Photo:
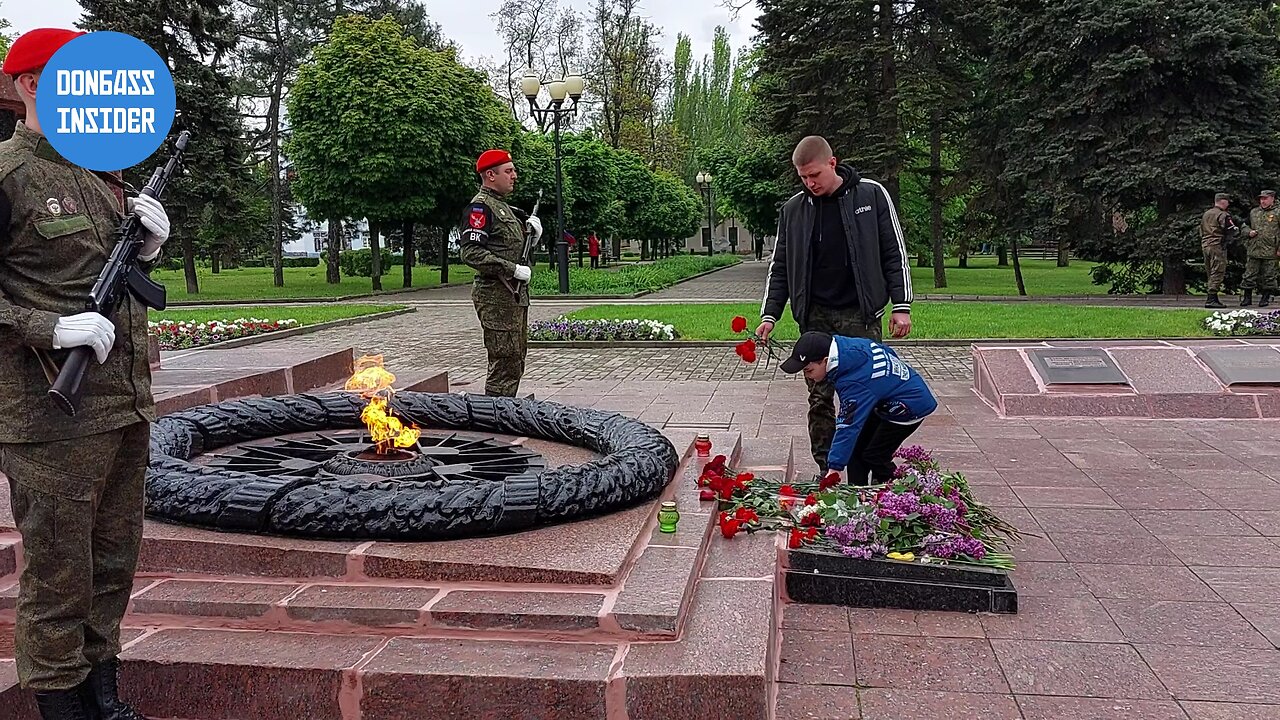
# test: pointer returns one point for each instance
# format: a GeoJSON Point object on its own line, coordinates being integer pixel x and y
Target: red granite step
{"type": "Point", "coordinates": [197, 377]}
{"type": "Point", "coordinates": [720, 667]}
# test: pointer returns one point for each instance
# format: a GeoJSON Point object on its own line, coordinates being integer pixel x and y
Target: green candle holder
{"type": "Point", "coordinates": [668, 516]}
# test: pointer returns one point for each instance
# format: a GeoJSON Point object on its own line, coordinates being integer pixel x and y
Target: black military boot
{"type": "Point", "coordinates": [1247, 299]}
{"type": "Point", "coordinates": [61, 705]}
{"type": "Point", "coordinates": [1213, 302]}
{"type": "Point", "coordinates": [102, 694]}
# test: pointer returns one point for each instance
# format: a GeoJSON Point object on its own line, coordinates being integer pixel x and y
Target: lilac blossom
{"type": "Point", "coordinates": [898, 506]}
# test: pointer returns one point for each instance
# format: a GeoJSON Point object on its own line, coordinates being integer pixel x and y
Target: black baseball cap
{"type": "Point", "coordinates": [811, 346]}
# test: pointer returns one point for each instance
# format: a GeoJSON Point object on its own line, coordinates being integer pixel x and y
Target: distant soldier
{"type": "Point", "coordinates": [1263, 246]}
{"type": "Point", "coordinates": [493, 236]}
{"type": "Point", "coordinates": [1215, 226]}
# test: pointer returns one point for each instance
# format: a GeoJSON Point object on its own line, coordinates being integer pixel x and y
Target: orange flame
{"type": "Point", "coordinates": [373, 381]}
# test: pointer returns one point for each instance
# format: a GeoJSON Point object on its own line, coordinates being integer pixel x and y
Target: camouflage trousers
{"type": "Point", "coordinates": [1259, 274]}
{"type": "Point", "coordinates": [78, 505]}
{"type": "Point", "coordinates": [507, 350]}
{"type": "Point", "coordinates": [1215, 265]}
{"type": "Point", "coordinates": [822, 404]}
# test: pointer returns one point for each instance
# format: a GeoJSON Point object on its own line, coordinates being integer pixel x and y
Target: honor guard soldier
{"type": "Point", "coordinates": [1263, 244]}
{"type": "Point", "coordinates": [76, 484]}
{"type": "Point", "coordinates": [493, 242]}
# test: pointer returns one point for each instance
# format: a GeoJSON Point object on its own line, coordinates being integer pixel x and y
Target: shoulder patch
{"type": "Point", "coordinates": [477, 219]}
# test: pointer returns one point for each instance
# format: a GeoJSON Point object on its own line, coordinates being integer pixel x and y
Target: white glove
{"type": "Point", "coordinates": [155, 220]}
{"type": "Point", "coordinates": [87, 328]}
{"type": "Point", "coordinates": [534, 226]}
{"type": "Point", "coordinates": [523, 273]}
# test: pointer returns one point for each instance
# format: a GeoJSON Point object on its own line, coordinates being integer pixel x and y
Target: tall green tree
{"type": "Point", "coordinates": [358, 112]}
{"type": "Point", "coordinates": [195, 38]}
{"type": "Point", "coordinates": [1129, 116]}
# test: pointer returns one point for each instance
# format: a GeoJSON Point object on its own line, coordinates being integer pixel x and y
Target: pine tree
{"type": "Point", "coordinates": [195, 38]}
{"type": "Point", "coordinates": [1115, 121]}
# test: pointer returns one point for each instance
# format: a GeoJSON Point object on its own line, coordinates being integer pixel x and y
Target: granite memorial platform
{"type": "Point", "coordinates": [1210, 378]}
{"type": "Point", "coordinates": [606, 617]}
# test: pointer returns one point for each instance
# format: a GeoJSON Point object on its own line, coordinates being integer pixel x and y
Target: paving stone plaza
{"type": "Point", "coordinates": [1148, 581]}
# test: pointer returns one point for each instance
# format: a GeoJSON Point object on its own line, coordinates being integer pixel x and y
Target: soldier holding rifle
{"type": "Point", "coordinates": [496, 240]}
{"type": "Point", "coordinates": [76, 483]}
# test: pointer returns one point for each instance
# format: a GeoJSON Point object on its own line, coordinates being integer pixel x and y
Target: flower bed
{"type": "Point", "coordinates": [564, 329]}
{"type": "Point", "coordinates": [1243, 322]}
{"type": "Point", "coordinates": [925, 516]}
{"type": "Point", "coordinates": [177, 335]}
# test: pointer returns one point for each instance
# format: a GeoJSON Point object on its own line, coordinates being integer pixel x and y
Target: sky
{"type": "Point", "coordinates": [471, 24]}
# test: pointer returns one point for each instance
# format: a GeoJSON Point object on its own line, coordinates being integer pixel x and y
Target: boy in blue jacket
{"type": "Point", "coordinates": [882, 400]}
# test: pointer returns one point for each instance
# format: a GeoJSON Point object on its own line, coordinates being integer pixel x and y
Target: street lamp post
{"type": "Point", "coordinates": [570, 86]}
{"type": "Point", "coordinates": [704, 181]}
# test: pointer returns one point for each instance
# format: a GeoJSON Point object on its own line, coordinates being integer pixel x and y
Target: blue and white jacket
{"type": "Point", "coordinates": [870, 377]}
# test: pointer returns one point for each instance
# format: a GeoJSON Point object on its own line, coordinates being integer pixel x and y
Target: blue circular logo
{"type": "Point", "coordinates": [106, 101]}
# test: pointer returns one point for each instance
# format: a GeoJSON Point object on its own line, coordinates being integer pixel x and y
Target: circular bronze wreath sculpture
{"type": "Point", "coordinates": [637, 463]}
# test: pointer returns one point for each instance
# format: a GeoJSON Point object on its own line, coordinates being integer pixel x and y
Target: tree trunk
{"type": "Point", "coordinates": [277, 201]}
{"type": "Point", "coordinates": [1173, 277]}
{"type": "Point", "coordinates": [444, 254]}
{"type": "Point", "coordinates": [935, 200]}
{"type": "Point", "coordinates": [1002, 255]}
{"type": "Point", "coordinates": [215, 260]}
{"type": "Point", "coordinates": [1064, 253]}
{"type": "Point", "coordinates": [189, 264]}
{"type": "Point", "coordinates": [922, 259]}
{"type": "Point", "coordinates": [644, 249]}
{"type": "Point", "coordinates": [333, 266]}
{"type": "Point", "coordinates": [1017, 268]}
{"type": "Point", "coordinates": [889, 100]}
{"type": "Point", "coordinates": [375, 256]}
{"type": "Point", "coordinates": [408, 253]}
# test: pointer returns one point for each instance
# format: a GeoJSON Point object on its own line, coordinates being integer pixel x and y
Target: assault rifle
{"type": "Point", "coordinates": [527, 255]}
{"type": "Point", "coordinates": [121, 273]}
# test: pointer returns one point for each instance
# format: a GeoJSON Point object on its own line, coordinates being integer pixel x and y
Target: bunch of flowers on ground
{"type": "Point", "coordinates": [563, 328]}
{"type": "Point", "coordinates": [179, 334]}
{"type": "Point", "coordinates": [747, 349]}
{"type": "Point", "coordinates": [1243, 322]}
{"type": "Point", "coordinates": [925, 515]}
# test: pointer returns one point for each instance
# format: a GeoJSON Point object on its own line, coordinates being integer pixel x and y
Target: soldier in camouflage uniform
{"type": "Point", "coordinates": [1263, 247]}
{"type": "Point", "coordinates": [1215, 226]}
{"type": "Point", "coordinates": [76, 484]}
{"type": "Point", "coordinates": [493, 238]}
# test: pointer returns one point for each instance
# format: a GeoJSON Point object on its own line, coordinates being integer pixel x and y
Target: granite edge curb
{"type": "Point", "coordinates": [294, 332]}
{"type": "Point", "coordinates": [941, 342]}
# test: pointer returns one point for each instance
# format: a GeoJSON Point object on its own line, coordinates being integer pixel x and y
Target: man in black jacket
{"type": "Point", "coordinates": [840, 259]}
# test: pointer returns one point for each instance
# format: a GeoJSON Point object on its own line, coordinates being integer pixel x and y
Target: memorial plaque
{"type": "Point", "coordinates": [1076, 366]}
{"type": "Point", "coordinates": [1255, 365]}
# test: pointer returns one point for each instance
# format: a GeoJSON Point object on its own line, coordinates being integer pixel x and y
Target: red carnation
{"type": "Point", "coordinates": [728, 526]}
{"type": "Point", "coordinates": [739, 324]}
{"type": "Point", "coordinates": [831, 480]}
{"type": "Point", "coordinates": [707, 494]}
{"type": "Point", "coordinates": [796, 539]}
{"type": "Point", "coordinates": [746, 515]}
{"type": "Point", "coordinates": [810, 534]}
{"type": "Point", "coordinates": [746, 350]}
{"type": "Point", "coordinates": [745, 477]}
{"type": "Point", "coordinates": [811, 520]}
{"type": "Point", "coordinates": [812, 499]}
{"type": "Point", "coordinates": [787, 491]}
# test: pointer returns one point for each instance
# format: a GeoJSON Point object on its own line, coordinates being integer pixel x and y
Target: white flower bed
{"type": "Point", "coordinates": [176, 335]}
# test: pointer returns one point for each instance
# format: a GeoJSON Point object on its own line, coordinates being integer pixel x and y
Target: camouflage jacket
{"type": "Point", "coordinates": [1216, 227]}
{"type": "Point", "coordinates": [1266, 244]}
{"type": "Point", "coordinates": [492, 242]}
{"type": "Point", "coordinates": [58, 226]}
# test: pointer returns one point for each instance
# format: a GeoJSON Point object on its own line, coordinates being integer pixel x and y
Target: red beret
{"type": "Point", "coordinates": [32, 51]}
{"type": "Point", "coordinates": [491, 159]}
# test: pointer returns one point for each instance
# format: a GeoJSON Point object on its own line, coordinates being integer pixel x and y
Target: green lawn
{"type": "Point", "coordinates": [304, 314]}
{"type": "Point", "coordinates": [937, 320]}
{"type": "Point", "coordinates": [255, 283]}
{"type": "Point", "coordinates": [983, 277]}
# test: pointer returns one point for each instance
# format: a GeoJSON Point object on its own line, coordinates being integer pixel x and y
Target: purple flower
{"type": "Point", "coordinates": [898, 506]}
{"type": "Point", "coordinates": [914, 454]}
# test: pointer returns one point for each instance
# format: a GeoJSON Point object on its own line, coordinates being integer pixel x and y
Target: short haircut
{"type": "Point", "coordinates": [811, 149]}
